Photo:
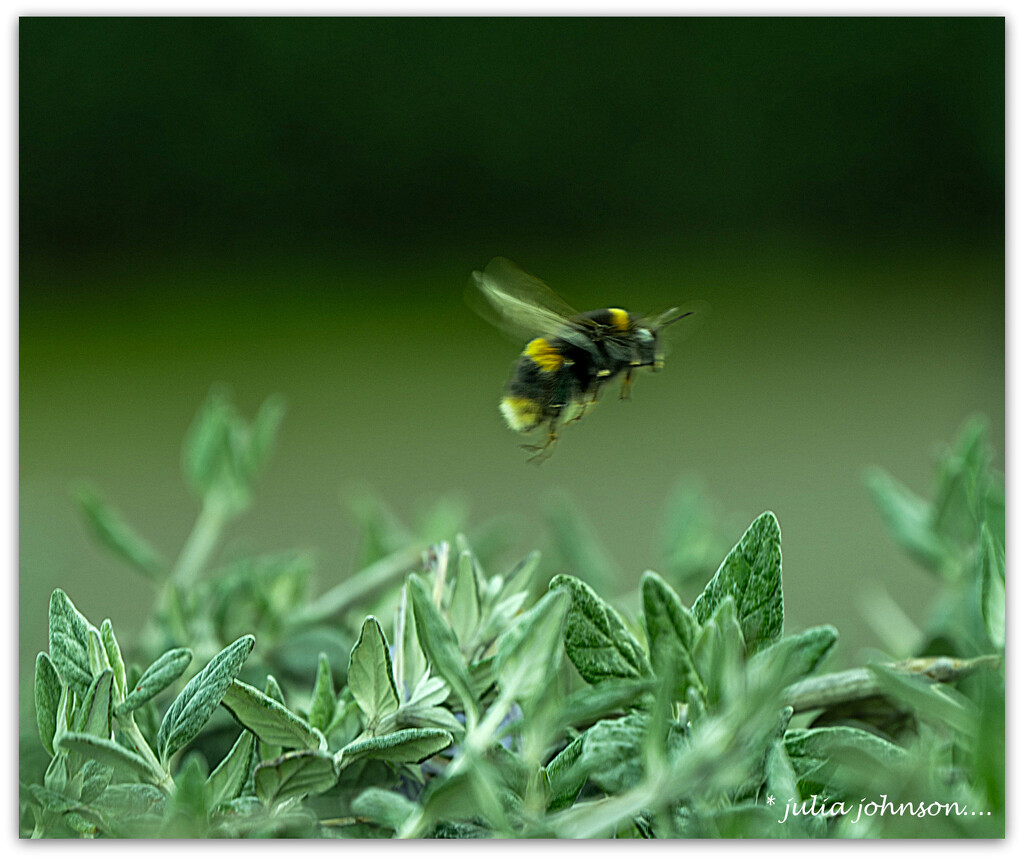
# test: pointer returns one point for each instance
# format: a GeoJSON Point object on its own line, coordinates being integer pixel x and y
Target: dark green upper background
{"type": "Point", "coordinates": [239, 133]}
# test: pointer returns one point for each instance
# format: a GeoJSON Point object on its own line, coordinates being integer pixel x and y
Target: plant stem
{"type": "Point", "coordinates": [362, 586]}
{"type": "Point", "coordinates": [839, 687]}
{"type": "Point", "coordinates": [201, 540]}
{"type": "Point", "coordinates": [131, 731]}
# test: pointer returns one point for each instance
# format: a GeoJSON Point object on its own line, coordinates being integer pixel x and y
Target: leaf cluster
{"type": "Point", "coordinates": [429, 696]}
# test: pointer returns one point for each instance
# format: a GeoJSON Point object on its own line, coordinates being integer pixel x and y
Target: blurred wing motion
{"type": "Point", "coordinates": [681, 322]}
{"type": "Point", "coordinates": [516, 302]}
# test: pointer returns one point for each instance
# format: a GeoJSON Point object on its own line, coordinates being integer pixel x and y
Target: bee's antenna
{"type": "Point", "coordinates": [674, 319]}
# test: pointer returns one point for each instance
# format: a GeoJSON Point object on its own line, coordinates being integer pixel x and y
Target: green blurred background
{"type": "Point", "coordinates": [294, 206]}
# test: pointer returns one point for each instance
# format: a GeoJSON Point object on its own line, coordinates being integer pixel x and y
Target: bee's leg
{"type": "Point", "coordinates": [542, 452]}
{"type": "Point", "coordinates": [627, 381]}
{"type": "Point", "coordinates": [586, 403]}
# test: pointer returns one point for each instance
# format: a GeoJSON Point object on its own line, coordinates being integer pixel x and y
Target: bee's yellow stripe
{"type": "Point", "coordinates": [543, 354]}
{"type": "Point", "coordinates": [620, 319]}
{"type": "Point", "coordinates": [521, 413]}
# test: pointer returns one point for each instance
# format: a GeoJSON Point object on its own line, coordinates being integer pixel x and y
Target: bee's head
{"type": "Point", "coordinates": [647, 343]}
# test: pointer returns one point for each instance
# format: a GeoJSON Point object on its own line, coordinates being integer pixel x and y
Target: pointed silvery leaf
{"type": "Point", "coordinates": [752, 575]}
{"type": "Point", "coordinates": [295, 775]}
{"type": "Point", "coordinates": [227, 779]}
{"type": "Point", "coordinates": [165, 671]}
{"type": "Point", "coordinates": [114, 658]}
{"type": "Point", "coordinates": [370, 676]}
{"type": "Point", "coordinates": [269, 720]}
{"type": "Point", "coordinates": [69, 642]}
{"type": "Point", "coordinates": [321, 708]}
{"type": "Point", "coordinates": [47, 699]}
{"type": "Point", "coordinates": [197, 702]}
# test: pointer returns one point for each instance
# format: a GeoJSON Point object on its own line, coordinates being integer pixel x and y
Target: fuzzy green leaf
{"type": "Point", "coordinates": [821, 758]}
{"type": "Point", "coordinates": [385, 807]}
{"type": "Point", "coordinates": [94, 717]}
{"type": "Point", "coordinates": [802, 652]}
{"type": "Point", "coordinates": [411, 664]}
{"type": "Point", "coordinates": [671, 633]}
{"type": "Point", "coordinates": [529, 654]}
{"type": "Point", "coordinates": [321, 709]}
{"type": "Point", "coordinates": [370, 675]}
{"type": "Point", "coordinates": [752, 575]}
{"type": "Point", "coordinates": [563, 778]}
{"type": "Point", "coordinates": [611, 756]}
{"type": "Point", "coordinates": [269, 720]}
{"type": "Point", "coordinates": [95, 778]}
{"type": "Point", "coordinates": [227, 779]}
{"type": "Point", "coordinates": [596, 638]}
{"type": "Point", "coordinates": [164, 671]}
{"type": "Point", "coordinates": [108, 752]}
{"type": "Point", "coordinates": [440, 645]}
{"type": "Point", "coordinates": [407, 745]}
{"type": "Point", "coordinates": [932, 702]}
{"type": "Point", "coordinates": [111, 530]}
{"type": "Point", "coordinates": [295, 774]}
{"type": "Point", "coordinates": [113, 652]}
{"type": "Point", "coordinates": [608, 698]}
{"type": "Point", "coordinates": [69, 642]}
{"type": "Point", "coordinates": [197, 702]}
{"type": "Point", "coordinates": [46, 690]}
{"type": "Point", "coordinates": [465, 606]}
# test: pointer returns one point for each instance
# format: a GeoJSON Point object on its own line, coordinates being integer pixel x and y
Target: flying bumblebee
{"type": "Point", "coordinates": [570, 356]}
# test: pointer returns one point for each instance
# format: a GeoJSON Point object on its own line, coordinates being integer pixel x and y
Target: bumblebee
{"type": "Point", "coordinates": [570, 356]}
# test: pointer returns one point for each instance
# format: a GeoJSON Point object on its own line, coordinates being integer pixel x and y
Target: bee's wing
{"type": "Point", "coordinates": [516, 302]}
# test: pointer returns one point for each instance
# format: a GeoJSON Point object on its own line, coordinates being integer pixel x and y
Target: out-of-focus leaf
{"type": "Point", "coordinates": [718, 654]}
{"type": "Point", "coordinates": [595, 701]}
{"type": "Point", "coordinates": [194, 705]}
{"type": "Point", "coordinates": [802, 652]}
{"type": "Point", "coordinates": [993, 587]}
{"type": "Point", "coordinates": [752, 575]}
{"type": "Point", "coordinates": [385, 807]}
{"type": "Point", "coordinates": [931, 702]}
{"type": "Point", "coordinates": [835, 761]}
{"type": "Point", "coordinates": [321, 709]}
{"type": "Point", "coordinates": [529, 654]}
{"type": "Point", "coordinates": [111, 530]}
{"type": "Point", "coordinates": [611, 756]}
{"type": "Point", "coordinates": [578, 543]}
{"type": "Point", "coordinates": [959, 503]}
{"type": "Point", "coordinates": [689, 535]}
{"type": "Point", "coordinates": [908, 518]}
{"type": "Point", "coordinates": [671, 633]}
{"type": "Point", "coordinates": [596, 639]}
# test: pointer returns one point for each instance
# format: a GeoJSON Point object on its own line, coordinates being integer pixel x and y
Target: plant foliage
{"type": "Point", "coordinates": [485, 704]}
